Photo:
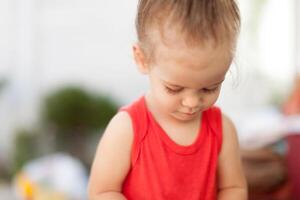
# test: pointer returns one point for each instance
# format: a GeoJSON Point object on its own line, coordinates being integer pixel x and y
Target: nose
{"type": "Point", "coordinates": [191, 101]}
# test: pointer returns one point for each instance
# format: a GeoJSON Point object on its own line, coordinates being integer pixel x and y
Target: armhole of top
{"type": "Point", "coordinates": [218, 126]}
{"type": "Point", "coordinates": [135, 143]}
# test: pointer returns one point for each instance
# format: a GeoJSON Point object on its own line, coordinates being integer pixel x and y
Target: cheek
{"type": "Point", "coordinates": [211, 99]}
{"type": "Point", "coordinates": [167, 101]}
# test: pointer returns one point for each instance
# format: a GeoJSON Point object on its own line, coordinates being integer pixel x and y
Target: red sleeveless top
{"type": "Point", "coordinates": [164, 170]}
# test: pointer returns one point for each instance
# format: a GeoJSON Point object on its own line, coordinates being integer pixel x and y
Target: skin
{"type": "Point", "coordinates": [184, 81]}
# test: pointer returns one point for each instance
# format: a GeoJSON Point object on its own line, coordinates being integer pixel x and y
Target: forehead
{"type": "Point", "coordinates": [172, 34]}
{"type": "Point", "coordinates": [193, 67]}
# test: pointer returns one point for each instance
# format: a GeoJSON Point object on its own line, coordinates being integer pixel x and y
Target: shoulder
{"type": "Point", "coordinates": [121, 118]}
{"type": "Point", "coordinates": [118, 133]}
{"type": "Point", "coordinates": [230, 144]}
{"type": "Point", "coordinates": [120, 128]}
{"type": "Point", "coordinates": [229, 134]}
{"type": "Point", "coordinates": [112, 159]}
{"type": "Point", "coordinates": [117, 139]}
{"type": "Point", "coordinates": [227, 126]}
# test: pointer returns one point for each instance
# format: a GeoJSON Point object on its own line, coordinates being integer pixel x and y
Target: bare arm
{"type": "Point", "coordinates": [232, 182]}
{"type": "Point", "coordinates": [112, 160]}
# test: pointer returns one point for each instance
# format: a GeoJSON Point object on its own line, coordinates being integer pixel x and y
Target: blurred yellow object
{"type": "Point", "coordinates": [31, 191]}
{"type": "Point", "coordinates": [25, 186]}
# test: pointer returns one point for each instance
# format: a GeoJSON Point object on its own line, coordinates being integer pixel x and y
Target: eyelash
{"type": "Point", "coordinates": [209, 91]}
{"type": "Point", "coordinates": [172, 91]}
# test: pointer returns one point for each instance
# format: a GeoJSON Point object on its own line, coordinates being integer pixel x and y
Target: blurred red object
{"type": "Point", "coordinates": [292, 105]}
{"type": "Point", "coordinates": [293, 164]}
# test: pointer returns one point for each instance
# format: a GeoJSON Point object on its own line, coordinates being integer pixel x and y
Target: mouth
{"type": "Point", "coordinates": [189, 114]}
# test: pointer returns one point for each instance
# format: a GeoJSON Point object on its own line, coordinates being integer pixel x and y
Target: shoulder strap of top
{"type": "Point", "coordinates": [138, 114]}
{"type": "Point", "coordinates": [214, 116]}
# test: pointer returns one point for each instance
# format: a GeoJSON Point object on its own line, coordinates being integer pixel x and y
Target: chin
{"type": "Point", "coordinates": [185, 118]}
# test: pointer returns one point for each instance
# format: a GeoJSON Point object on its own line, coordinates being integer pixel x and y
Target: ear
{"type": "Point", "coordinates": [140, 59]}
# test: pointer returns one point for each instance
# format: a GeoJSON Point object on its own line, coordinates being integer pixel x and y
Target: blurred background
{"type": "Point", "coordinates": [66, 67]}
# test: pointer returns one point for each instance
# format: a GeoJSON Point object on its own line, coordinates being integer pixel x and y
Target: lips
{"type": "Point", "coordinates": [189, 114]}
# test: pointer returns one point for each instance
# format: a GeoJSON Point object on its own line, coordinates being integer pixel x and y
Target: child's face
{"type": "Point", "coordinates": [184, 81]}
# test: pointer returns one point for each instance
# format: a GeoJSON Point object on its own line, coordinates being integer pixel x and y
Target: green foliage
{"type": "Point", "coordinates": [25, 148]}
{"type": "Point", "coordinates": [73, 110]}
{"type": "Point", "coordinates": [70, 117]}
{"type": "Point", "coordinates": [74, 115]}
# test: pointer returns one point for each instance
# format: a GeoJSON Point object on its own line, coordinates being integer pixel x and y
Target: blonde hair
{"type": "Point", "coordinates": [197, 20]}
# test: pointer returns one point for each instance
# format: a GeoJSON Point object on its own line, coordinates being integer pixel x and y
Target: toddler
{"type": "Point", "coordinates": [172, 143]}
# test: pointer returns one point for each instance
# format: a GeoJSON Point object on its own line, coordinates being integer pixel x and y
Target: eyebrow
{"type": "Point", "coordinates": [174, 85]}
